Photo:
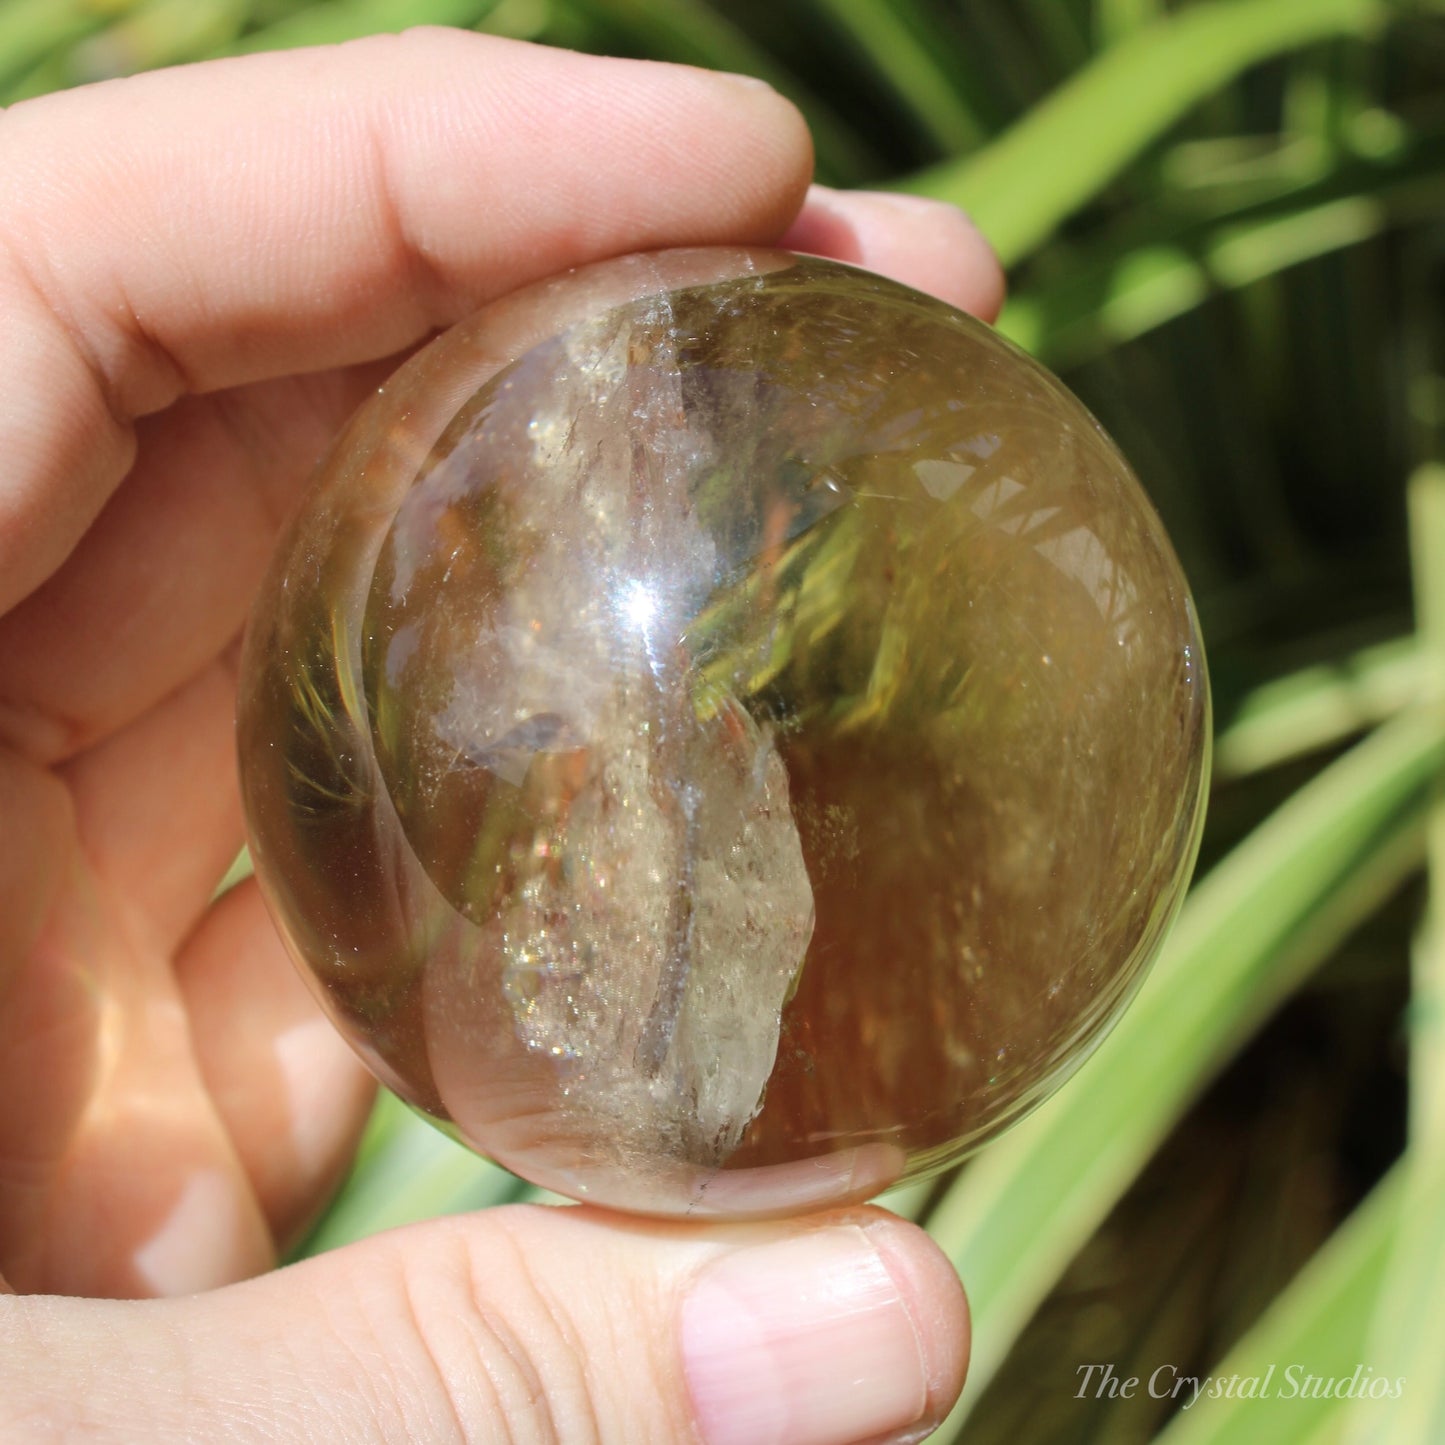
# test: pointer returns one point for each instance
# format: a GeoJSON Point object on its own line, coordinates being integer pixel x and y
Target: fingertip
{"type": "Point", "coordinates": [782, 186]}
{"type": "Point", "coordinates": [933, 1294]}
{"type": "Point", "coordinates": [840, 1328]}
{"type": "Point", "coordinates": [769, 151]}
{"type": "Point", "coordinates": [921, 242]}
{"type": "Point", "coordinates": [674, 155]}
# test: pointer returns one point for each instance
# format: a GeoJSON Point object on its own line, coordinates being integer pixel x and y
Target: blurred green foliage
{"type": "Point", "coordinates": [1223, 220]}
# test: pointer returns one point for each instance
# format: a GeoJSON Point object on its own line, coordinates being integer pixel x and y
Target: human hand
{"type": "Point", "coordinates": [202, 272]}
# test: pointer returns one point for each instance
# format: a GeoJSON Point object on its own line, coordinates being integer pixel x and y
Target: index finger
{"type": "Point", "coordinates": [209, 226]}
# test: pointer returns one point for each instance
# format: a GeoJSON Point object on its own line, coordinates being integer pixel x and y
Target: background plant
{"type": "Point", "coordinates": [1223, 224]}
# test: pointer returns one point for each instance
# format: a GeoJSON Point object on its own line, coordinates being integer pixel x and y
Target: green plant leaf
{"type": "Point", "coordinates": [1069, 147]}
{"type": "Point", "coordinates": [895, 41]}
{"type": "Point", "coordinates": [1127, 285]}
{"type": "Point", "coordinates": [1319, 707]}
{"type": "Point", "coordinates": [1409, 1324]}
{"type": "Point", "coordinates": [1406, 1337]}
{"type": "Point", "coordinates": [1115, 20]}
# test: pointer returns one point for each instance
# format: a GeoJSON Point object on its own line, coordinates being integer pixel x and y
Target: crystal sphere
{"type": "Point", "coordinates": [724, 734]}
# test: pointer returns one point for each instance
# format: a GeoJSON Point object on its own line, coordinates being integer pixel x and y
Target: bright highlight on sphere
{"type": "Point", "coordinates": [639, 606]}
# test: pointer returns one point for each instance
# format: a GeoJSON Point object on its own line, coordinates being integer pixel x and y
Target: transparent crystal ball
{"type": "Point", "coordinates": [724, 734]}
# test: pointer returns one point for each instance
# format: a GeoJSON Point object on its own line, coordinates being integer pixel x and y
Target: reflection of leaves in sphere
{"type": "Point", "coordinates": [726, 733]}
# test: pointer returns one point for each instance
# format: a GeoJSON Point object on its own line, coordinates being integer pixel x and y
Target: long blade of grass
{"type": "Point", "coordinates": [1018, 73]}
{"type": "Point", "coordinates": [1408, 1335]}
{"type": "Point", "coordinates": [1114, 20]}
{"type": "Point", "coordinates": [1248, 933]}
{"type": "Point", "coordinates": [1409, 1332]}
{"type": "Point", "coordinates": [1318, 1326]}
{"type": "Point", "coordinates": [891, 37]}
{"type": "Point", "coordinates": [1319, 707]}
{"type": "Point", "coordinates": [1066, 149]}
{"type": "Point", "coordinates": [1129, 286]}
{"type": "Point", "coordinates": [1236, 171]}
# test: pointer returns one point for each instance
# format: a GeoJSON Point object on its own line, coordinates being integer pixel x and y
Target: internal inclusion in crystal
{"type": "Point", "coordinates": [646, 899]}
{"type": "Point", "coordinates": [736, 753]}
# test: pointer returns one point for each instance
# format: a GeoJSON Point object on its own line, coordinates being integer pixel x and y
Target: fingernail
{"type": "Point", "coordinates": [919, 205]}
{"type": "Point", "coordinates": [922, 208]}
{"type": "Point", "coordinates": [807, 1341]}
{"type": "Point", "coordinates": [747, 82]}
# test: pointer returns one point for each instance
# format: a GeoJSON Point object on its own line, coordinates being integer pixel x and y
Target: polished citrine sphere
{"type": "Point", "coordinates": [724, 734]}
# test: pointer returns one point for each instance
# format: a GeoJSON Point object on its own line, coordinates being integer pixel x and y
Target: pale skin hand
{"type": "Point", "coordinates": [201, 273]}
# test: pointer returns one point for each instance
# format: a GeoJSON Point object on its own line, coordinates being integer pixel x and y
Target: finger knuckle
{"type": "Point", "coordinates": [503, 1354]}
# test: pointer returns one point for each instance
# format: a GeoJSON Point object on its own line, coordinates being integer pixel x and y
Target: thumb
{"type": "Point", "coordinates": [523, 1324]}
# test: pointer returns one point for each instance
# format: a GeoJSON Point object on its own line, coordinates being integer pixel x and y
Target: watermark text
{"type": "Point", "coordinates": [1287, 1382]}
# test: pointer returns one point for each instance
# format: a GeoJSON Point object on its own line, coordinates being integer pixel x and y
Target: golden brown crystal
{"type": "Point", "coordinates": [725, 734]}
